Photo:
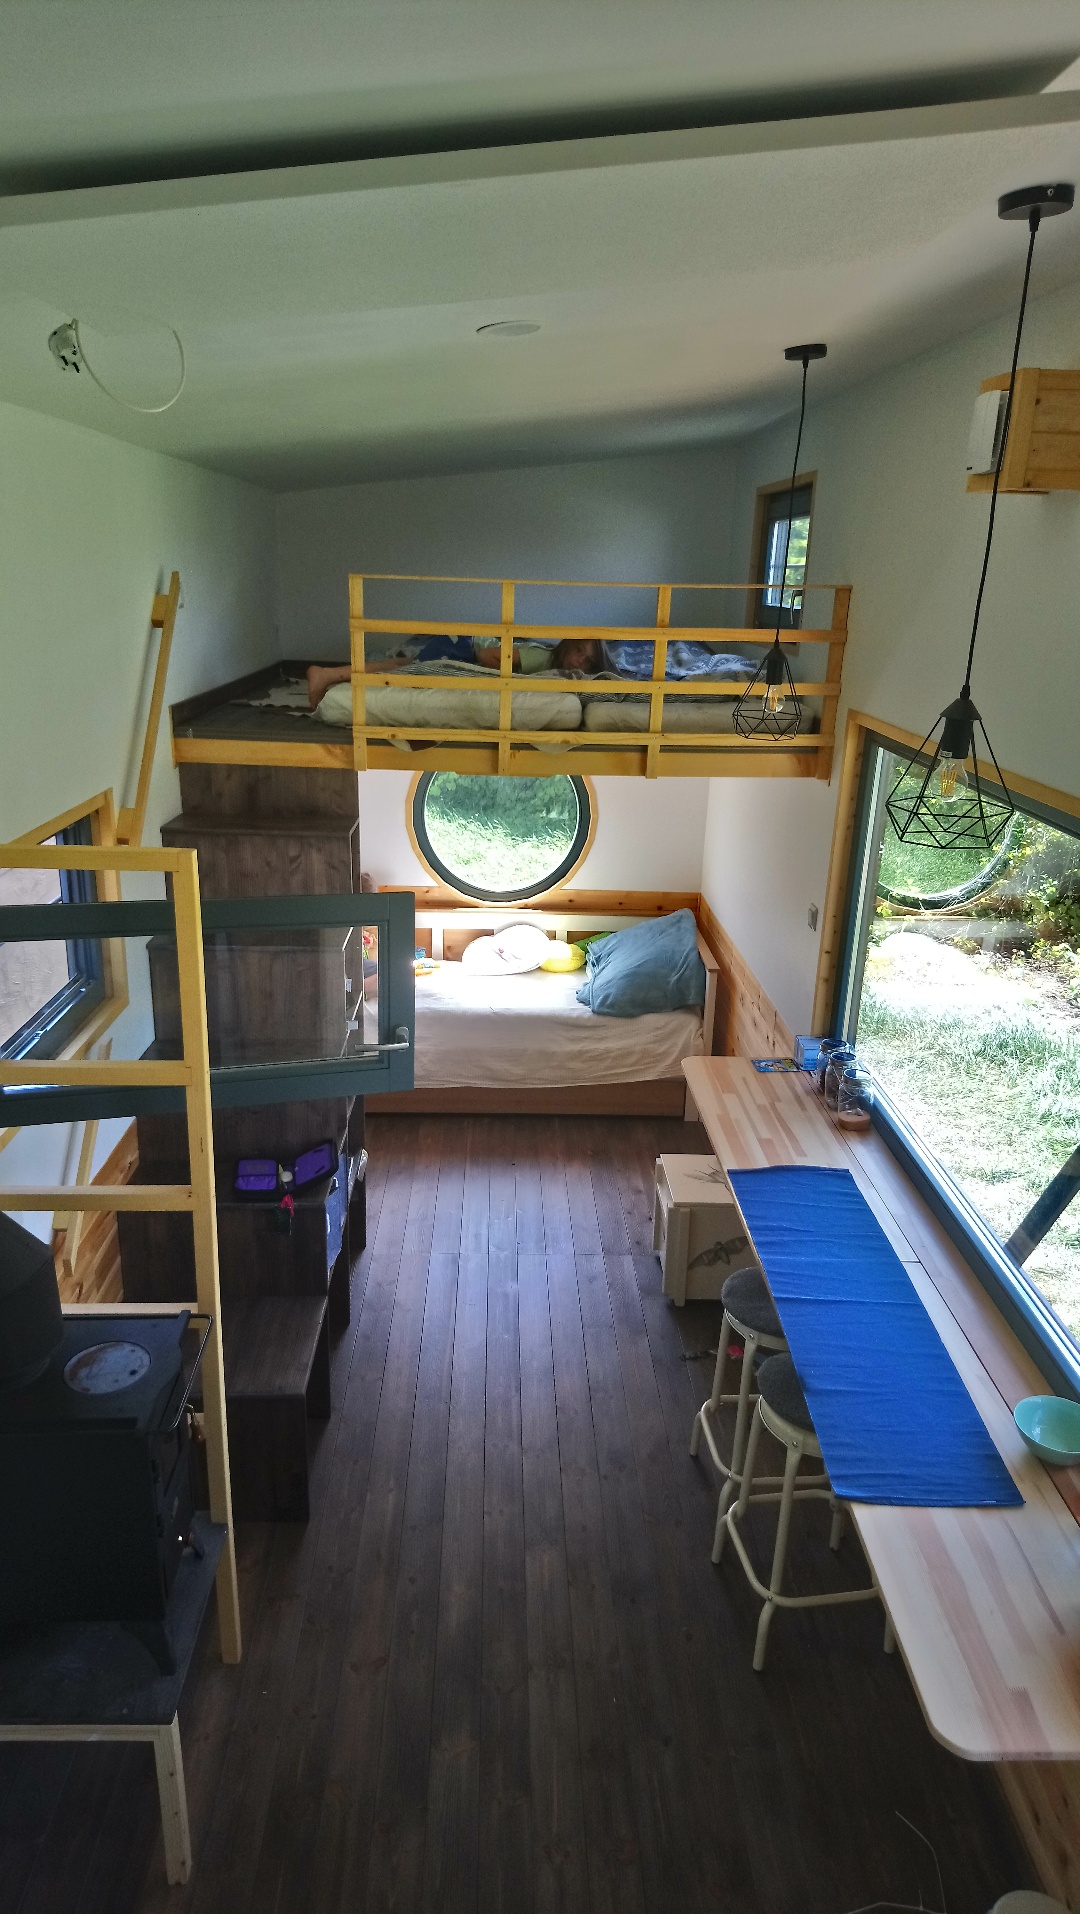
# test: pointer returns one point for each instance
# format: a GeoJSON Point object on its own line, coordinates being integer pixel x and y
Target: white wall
{"type": "Point", "coordinates": [663, 517]}
{"type": "Point", "coordinates": [648, 836]}
{"type": "Point", "coordinates": [666, 517]}
{"type": "Point", "coordinates": [90, 528]}
{"type": "Point", "coordinates": [893, 518]}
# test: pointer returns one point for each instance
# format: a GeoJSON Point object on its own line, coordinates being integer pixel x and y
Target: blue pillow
{"type": "Point", "coordinates": [648, 967]}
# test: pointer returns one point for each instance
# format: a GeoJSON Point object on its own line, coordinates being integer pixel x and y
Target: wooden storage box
{"type": "Point", "coordinates": [698, 1232]}
{"type": "Point", "coordinates": [1042, 452]}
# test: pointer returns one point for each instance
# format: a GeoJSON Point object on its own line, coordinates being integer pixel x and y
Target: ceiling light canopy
{"type": "Point", "coordinates": [769, 707]}
{"type": "Point", "coordinates": [949, 807]}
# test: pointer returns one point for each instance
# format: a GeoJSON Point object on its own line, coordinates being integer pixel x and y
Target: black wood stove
{"type": "Point", "coordinates": [95, 1476]}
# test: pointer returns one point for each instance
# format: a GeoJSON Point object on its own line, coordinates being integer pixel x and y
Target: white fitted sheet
{"type": "Point", "coordinates": [530, 1032]}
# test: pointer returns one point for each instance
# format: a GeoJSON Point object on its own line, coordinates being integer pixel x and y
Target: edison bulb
{"type": "Point", "coordinates": [950, 782]}
{"type": "Point", "coordinates": [774, 698]}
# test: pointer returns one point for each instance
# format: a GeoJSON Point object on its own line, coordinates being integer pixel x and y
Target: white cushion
{"type": "Point", "coordinates": [517, 948]}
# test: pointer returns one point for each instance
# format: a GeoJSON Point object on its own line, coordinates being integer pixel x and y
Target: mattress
{"type": "Point", "coordinates": [465, 710]}
{"type": "Point", "coordinates": [680, 714]}
{"type": "Point", "coordinates": [529, 1032]}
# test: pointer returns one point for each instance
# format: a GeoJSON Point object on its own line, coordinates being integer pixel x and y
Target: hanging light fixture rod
{"type": "Point", "coordinates": [769, 707]}
{"type": "Point", "coordinates": [951, 808]}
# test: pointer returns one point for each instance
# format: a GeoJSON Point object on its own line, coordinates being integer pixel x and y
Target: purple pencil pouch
{"type": "Point", "coordinates": [258, 1178]}
{"type": "Point", "coordinates": [321, 1160]}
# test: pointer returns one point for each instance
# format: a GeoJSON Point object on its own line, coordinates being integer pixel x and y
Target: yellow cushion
{"type": "Point", "coordinates": [564, 957]}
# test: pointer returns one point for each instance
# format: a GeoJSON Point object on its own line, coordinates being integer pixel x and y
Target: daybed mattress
{"type": "Point", "coordinates": [529, 1032]}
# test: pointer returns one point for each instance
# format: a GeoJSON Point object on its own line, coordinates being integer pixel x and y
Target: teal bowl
{"type": "Point", "coordinates": [1050, 1425]}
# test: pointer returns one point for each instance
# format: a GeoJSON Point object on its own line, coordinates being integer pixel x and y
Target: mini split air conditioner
{"type": "Point", "coordinates": [984, 440]}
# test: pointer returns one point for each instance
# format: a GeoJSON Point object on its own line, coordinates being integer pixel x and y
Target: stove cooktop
{"type": "Point", "coordinates": [111, 1371]}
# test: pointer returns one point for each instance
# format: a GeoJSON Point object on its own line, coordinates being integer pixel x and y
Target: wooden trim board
{"type": "Point", "coordinates": [748, 1023]}
{"type": "Point", "coordinates": [664, 1096]}
{"type": "Point", "coordinates": [96, 1276]}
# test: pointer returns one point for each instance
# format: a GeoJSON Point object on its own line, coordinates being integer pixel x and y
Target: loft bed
{"type": "Point", "coordinates": [471, 718]}
{"type": "Point", "coordinates": [523, 1045]}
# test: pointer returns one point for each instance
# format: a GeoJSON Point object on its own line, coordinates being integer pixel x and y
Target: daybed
{"type": "Point", "coordinates": [524, 1044]}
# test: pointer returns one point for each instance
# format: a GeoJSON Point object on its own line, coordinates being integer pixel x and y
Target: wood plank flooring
{"type": "Point", "coordinates": [497, 1673]}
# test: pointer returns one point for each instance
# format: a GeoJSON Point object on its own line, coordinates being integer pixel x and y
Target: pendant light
{"type": "Point", "coordinates": [769, 707]}
{"type": "Point", "coordinates": [951, 808]}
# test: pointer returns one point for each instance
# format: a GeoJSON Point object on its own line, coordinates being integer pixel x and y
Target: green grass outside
{"type": "Point", "coordinates": [501, 834]}
{"type": "Point", "coordinates": [997, 1100]}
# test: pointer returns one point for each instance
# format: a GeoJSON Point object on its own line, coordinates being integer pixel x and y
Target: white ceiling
{"type": "Point", "coordinates": [329, 308]}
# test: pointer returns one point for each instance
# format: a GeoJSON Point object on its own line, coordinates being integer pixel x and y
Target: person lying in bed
{"type": "Point", "coordinates": [629, 658]}
{"type": "Point", "coordinates": [462, 651]}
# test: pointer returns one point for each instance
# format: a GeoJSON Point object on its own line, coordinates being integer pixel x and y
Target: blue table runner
{"type": "Point", "coordinates": [890, 1410]}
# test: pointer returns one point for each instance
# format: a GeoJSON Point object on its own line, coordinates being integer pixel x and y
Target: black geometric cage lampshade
{"type": "Point", "coordinates": [769, 707]}
{"type": "Point", "coordinates": [945, 805]}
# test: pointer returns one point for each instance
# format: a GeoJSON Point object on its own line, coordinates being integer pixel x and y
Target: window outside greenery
{"type": "Point", "coordinates": [782, 592]}
{"type": "Point", "coordinates": [47, 989]}
{"type": "Point", "coordinates": [968, 1013]}
{"type": "Point", "coordinates": [495, 837]}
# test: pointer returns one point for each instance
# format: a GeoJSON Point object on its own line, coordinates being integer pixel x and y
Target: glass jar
{"type": "Point", "coordinates": [855, 1097]}
{"type": "Point", "coordinates": [825, 1050]}
{"type": "Point", "coordinates": [839, 1058]}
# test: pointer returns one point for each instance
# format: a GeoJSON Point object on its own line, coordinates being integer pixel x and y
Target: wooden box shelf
{"type": "Point", "coordinates": [1042, 453]}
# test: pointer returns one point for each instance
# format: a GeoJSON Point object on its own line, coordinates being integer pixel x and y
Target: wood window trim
{"type": "Point", "coordinates": [102, 816]}
{"type": "Point", "coordinates": [463, 897]}
{"type": "Point", "coordinates": [756, 566]}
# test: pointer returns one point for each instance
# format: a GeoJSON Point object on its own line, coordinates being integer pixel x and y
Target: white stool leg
{"type": "Point", "coordinates": [721, 1532]}
{"type": "Point", "coordinates": [717, 1383]}
{"type": "Point", "coordinates": [742, 1418]}
{"type": "Point", "coordinates": [172, 1794]}
{"type": "Point", "coordinates": [787, 1500]}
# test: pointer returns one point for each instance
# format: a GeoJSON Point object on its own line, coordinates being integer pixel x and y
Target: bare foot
{"type": "Point", "coordinates": [319, 680]}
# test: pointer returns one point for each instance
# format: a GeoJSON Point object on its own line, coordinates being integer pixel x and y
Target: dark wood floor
{"type": "Point", "coordinates": [497, 1670]}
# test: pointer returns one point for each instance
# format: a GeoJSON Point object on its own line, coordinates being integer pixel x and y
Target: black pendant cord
{"type": "Point", "coordinates": [791, 504]}
{"type": "Point", "coordinates": [1034, 218]}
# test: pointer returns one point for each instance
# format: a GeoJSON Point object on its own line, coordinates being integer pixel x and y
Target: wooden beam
{"type": "Point", "coordinates": [96, 1196]}
{"type": "Point", "coordinates": [200, 1137]}
{"type": "Point", "coordinates": [132, 818]}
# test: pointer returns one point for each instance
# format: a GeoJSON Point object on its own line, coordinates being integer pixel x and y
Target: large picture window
{"type": "Point", "coordinates": [48, 989]}
{"type": "Point", "coordinates": [501, 839]}
{"type": "Point", "coordinates": [961, 991]}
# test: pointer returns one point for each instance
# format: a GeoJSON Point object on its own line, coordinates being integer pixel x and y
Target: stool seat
{"type": "Point", "coordinates": [781, 1391]}
{"type": "Point", "coordinates": [746, 1296]}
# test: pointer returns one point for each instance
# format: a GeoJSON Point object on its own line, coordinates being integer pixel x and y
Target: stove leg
{"type": "Point", "coordinates": [169, 1761]}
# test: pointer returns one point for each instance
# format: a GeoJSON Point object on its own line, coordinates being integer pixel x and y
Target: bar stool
{"type": "Point", "coordinates": [749, 1312]}
{"type": "Point", "coordinates": [782, 1410]}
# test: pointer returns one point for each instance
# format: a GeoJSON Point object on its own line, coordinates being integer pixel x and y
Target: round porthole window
{"type": "Point", "coordinates": [501, 839]}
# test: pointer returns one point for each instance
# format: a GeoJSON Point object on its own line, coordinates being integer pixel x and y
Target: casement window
{"type": "Point", "coordinates": [779, 588]}
{"type": "Point", "coordinates": [48, 990]}
{"type": "Point", "coordinates": [960, 987]}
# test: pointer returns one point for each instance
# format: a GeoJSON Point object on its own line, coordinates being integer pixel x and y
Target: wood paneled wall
{"type": "Point", "coordinates": [748, 1024]}
{"type": "Point", "coordinates": [97, 1265]}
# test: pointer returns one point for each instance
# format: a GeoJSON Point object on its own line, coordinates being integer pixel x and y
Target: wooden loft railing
{"type": "Point", "coordinates": [506, 748]}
